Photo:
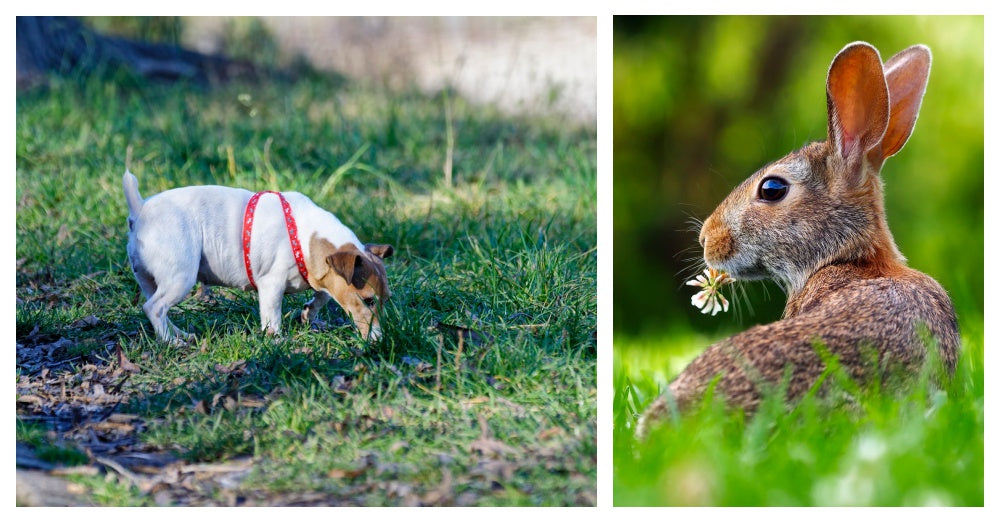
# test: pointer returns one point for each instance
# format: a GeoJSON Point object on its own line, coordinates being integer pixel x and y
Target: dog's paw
{"type": "Point", "coordinates": [180, 343]}
{"type": "Point", "coordinates": [204, 294]}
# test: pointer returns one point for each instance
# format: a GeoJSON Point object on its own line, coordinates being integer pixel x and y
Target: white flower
{"type": "Point", "coordinates": [710, 299]}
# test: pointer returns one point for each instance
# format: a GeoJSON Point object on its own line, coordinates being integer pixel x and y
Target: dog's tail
{"type": "Point", "coordinates": [131, 187]}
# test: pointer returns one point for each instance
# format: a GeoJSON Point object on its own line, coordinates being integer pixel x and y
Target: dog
{"type": "Point", "coordinates": [276, 243]}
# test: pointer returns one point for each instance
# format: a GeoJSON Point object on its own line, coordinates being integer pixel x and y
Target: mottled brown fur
{"type": "Point", "coordinates": [829, 244]}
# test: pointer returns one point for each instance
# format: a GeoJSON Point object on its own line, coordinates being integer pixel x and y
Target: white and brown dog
{"type": "Point", "coordinates": [235, 238]}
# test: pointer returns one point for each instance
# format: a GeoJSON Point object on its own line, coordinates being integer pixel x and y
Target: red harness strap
{"type": "Point", "coordinates": [293, 235]}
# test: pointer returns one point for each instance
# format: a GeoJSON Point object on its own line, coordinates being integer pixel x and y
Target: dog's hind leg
{"type": "Point", "coordinates": [148, 287]}
{"type": "Point", "coordinates": [157, 306]}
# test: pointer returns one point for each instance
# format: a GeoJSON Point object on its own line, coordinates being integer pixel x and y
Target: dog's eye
{"type": "Point", "coordinates": [370, 301]}
{"type": "Point", "coordinates": [772, 189]}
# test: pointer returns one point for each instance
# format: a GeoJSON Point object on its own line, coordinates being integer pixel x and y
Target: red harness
{"type": "Point", "coordinates": [293, 235]}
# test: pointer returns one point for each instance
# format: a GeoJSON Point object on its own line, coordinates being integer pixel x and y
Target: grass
{"type": "Point", "coordinates": [498, 410]}
{"type": "Point", "coordinates": [920, 445]}
{"type": "Point", "coordinates": [34, 435]}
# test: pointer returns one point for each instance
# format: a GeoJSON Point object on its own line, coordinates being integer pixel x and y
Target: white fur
{"type": "Point", "coordinates": [190, 234]}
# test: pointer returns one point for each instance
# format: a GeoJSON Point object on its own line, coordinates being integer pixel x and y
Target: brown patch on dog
{"type": "Point", "coordinates": [352, 277]}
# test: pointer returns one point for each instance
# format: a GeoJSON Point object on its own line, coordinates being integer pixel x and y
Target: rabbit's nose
{"type": "Point", "coordinates": [701, 238]}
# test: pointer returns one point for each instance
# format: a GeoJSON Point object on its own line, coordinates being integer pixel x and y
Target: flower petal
{"type": "Point", "coordinates": [708, 306]}
{"type": "Point", "coordinates": [698, 300]}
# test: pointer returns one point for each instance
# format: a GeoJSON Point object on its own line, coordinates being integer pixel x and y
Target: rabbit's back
{"type": "Point", "coordinates": [814, 221]}
{"type": "Point", "coordinates": [893, 318]}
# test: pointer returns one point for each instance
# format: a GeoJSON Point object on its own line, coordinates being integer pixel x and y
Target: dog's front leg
{"type": "Point", "coordinates": [270, 307]}
{"type": "Point", "coordinates": [313, 306]}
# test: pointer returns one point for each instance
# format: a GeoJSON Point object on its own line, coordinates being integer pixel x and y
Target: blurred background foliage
{"type": "Point", "coordinates": [700, 103]}
{"type": "Point", "coordinates": [243, 38]}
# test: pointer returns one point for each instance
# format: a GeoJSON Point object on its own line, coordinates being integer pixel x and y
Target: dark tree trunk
{"type": "Point", "coordinates": [63, 45]}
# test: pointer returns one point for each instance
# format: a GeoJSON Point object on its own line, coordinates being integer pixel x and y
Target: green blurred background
{"type": "Point", "coordinates": [700, 103]}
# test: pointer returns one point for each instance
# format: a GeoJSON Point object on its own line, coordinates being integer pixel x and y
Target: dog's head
{"type": "Point", "coordinates": [353, 277]}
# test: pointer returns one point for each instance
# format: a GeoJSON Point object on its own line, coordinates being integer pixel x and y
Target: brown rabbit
{"type": "Point", "coordinates": [815, 222]}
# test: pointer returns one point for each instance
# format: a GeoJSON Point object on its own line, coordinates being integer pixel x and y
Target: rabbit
{"type": "Point", "coordinates": [815, 222]}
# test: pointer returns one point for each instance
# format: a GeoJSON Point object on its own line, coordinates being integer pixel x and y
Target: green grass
{"type": "Point", "coordinates": [920, 445]}
{"type": "Point", "coordinates": [508, 251]}
{"type": "Point", "coordinates": [35, 435]}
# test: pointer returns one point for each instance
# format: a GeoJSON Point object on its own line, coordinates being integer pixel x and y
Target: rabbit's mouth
{"type": "Point", "coordinates": [741, 269]}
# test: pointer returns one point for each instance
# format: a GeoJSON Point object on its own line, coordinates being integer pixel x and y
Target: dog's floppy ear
{"type": "Point", "coordinates": [381, 250]}
{"type": "Point", "coordinates": [344, 263]}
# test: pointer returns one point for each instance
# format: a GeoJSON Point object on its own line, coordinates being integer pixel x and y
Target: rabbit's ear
{"type": "Point", "coordinates": [857, 103]}
{"type": "Point", "coordinates": [906, 74]}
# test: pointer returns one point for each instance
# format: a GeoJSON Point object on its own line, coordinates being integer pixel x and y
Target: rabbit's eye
{"type": "Point", "coordinates": [773, 189]}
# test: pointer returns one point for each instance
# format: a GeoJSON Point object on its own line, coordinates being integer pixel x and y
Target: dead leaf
{"type": "Point", "coordinates": [551, 432]}
{"type": "Point", "coordinates": [341, 385]}
{"type": "Point", "coordinates": [81, 470]}
{"type": "Point", "coordinates": [89, 321]}
{"type": "Point", "coordinates": [443, 492]}
{"type": "Point", "coordinates": [162, 497]}
{"type": "Point", "coordinates": [348, 474]}
{"type": "Point", "coordinates": [111, 426]}
{"type": "Point", "coordinates": [341, 474]}
{"type": "Point", "coordinates": [458, 333]}
{"type": "Point", "coordinates": [218, 468]}
{"type": "Point", "coordinates": [517, 410]}
{"type": "Point", "coordinates": [492, 447]}
{"type": "Point", "coordinates": [62, 234]}
{"type": "Point", "coordinates": [30, 398]}
{"type": "Point", "coordinates": [252, 403]}
{"type": "Point", "coordinates": [237, 367]}
{"type": "Point", "coordinates": [418, 365]}
{"type": "Point", "coordinates": [123, 362]}
{"type": "Point", "coordinates": [494, 469]}
{"type": "Point", "coordinates": [474, 401]}
{"type": "Point", "coordinates": [140, 482]}
{"type": "Point", "coordinates": [123, 418]}
{"type": "Point", "coordinates": [486, 445]}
